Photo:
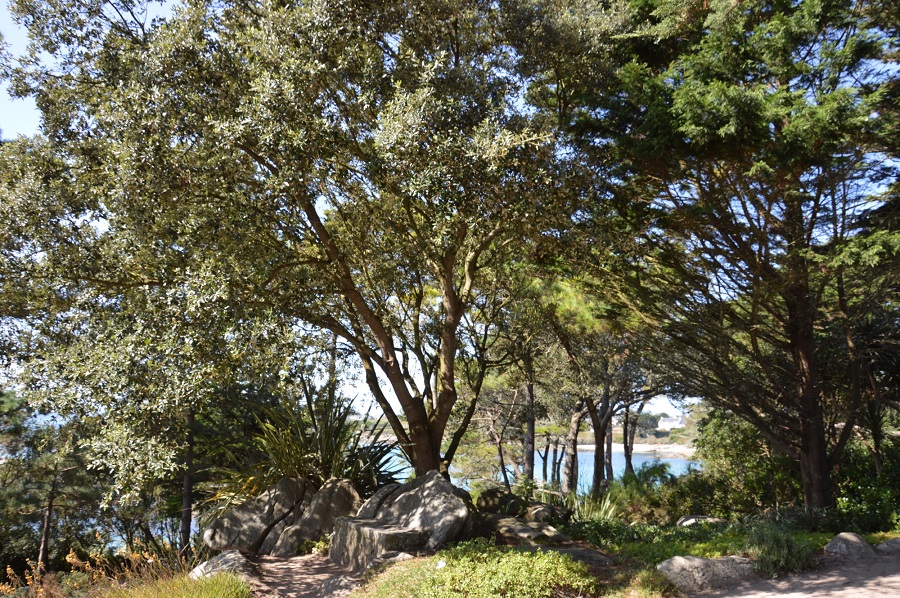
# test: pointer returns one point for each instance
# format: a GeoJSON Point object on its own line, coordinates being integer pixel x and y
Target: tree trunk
{"type": "Point", "coordinates": [44, 549]}
{"type": "Point", "coordinates": [814, 467]}
{"type": "Point", "coordinates": [528, 472]}
{"type": "Point", "coordinates": [610, 475]}
{"type": "Point", "coordinates": [187, 491]}
{"type": "Point", "coordinates": [570, 471]}
{"type": "Point", "coordinates": [544, 461]}
{"type": "Point", "coordinates": [628, 438]}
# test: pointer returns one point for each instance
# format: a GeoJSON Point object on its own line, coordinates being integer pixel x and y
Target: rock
{"type": "Point", "coordinates": [336, 498]}
{"type": "Point", "coordinates": [359, 543]}
{"type": "Point", "coordinates": [531, 532]}
{"type": "Point", "coordinates": [689, 520]}
{"type": "Point", "coordinates": [498, 500]}
{"type": "Point", "coordinates": [430, 503]}
{"type": "Point", "coordinates": [425, 513]}
{"type": "Point", "coordinates": [850, 545]}
{"type": "Point", "coordinates": [542, 512]}
{"type": "Point", "coordinates": [231, 560]}
{"type": "Point", "coordinates": [891, 546]}
{"type": "Point", "coordinates": [695, 574]}
{"type": "Point", "coordinates": [246, 526]}
{"type": "Point", "coordinates": [278, 529]}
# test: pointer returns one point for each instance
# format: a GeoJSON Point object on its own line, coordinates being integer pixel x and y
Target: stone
{"type": "Point", "coordinates": [689, 520]}
{"type": "Point", "coordinates": [336, 498]}
{"type": "Point", "coordinates": [429, 502]}
{"type": "Point", "coordinates": [498, 500]}
{"type": "Point", "coordinates": [246, 526]}
{"type": "Point", "coordinates": [851, 546]}
{"type": "Point", "coordinates": [229, 561]}
{"type": "Point", "coordinates": [531, 532]}
{"type": "Point", "coordinates": [891, 546]}
{"type": "Point", "coordinates": [542, 512]}
{"type": "Point", "coordinates": [271, 541]}
{"type": "Point", "coordinates": [425, 513]}
{"type": "Point", "coordinates": [695, 574]}
{"type": "Point", "coordinates": [360, 543]}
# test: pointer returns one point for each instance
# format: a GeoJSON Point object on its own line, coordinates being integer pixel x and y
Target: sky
{"type": "Point", "coordinates": [17, 117]}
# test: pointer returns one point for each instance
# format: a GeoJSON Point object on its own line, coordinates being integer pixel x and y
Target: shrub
{"type": "Point", "coordinates": [479, 569]}
{"type": "Point", "coordinates": [778, 550]}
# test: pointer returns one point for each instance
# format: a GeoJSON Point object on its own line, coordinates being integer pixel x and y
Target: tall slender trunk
{"type": "Point", "coordinates": [570, 470]}
{"type": "Point", "coordinates": [187, 490]}
{"type": "Point", "coordinates": [544, 461]}
{"type": "Point", "coordinates": [609, 442]}
{"type": "Point", "coordinates": [46, 524]}
{"type": "Point", "coordinates": [528, 472]}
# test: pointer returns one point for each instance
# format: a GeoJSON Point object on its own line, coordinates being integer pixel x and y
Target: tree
{"type": "Point", "coordinates": [751, 137]}
{"type": "Point", "coordinates": [352, 166]}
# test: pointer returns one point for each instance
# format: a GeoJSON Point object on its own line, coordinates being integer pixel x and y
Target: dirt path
{"type": "Point", "coordinates": [297, 577]}
{"type": "Point", "coordinates": [836, 577]}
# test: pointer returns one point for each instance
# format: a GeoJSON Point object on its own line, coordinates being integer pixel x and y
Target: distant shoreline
{"type": "Point", "coordinates": [664, 451]}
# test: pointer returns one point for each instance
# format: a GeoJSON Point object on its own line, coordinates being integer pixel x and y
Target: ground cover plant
{"type": "Point", "coordinates": [478, 569]}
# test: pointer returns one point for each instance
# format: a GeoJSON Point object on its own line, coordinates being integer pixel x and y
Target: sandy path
{"type": "Point", "coordinates": [837, 577]}
{"type": "Point", "coordinates": [296, 577]}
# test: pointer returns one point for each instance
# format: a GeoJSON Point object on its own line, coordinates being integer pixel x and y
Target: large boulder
{"type": "Point", "coordinates": [851, 546]}
{"type": "Point", "coordinates": [695, 574]}
{"type": "Point", "coordinates": [425, 513]}
{"type": "Point", "coordinates": [336, 498]}
{"type": "Point", "coordinates": [246, 526]}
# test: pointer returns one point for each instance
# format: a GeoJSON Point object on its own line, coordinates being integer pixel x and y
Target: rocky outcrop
{"type": "Point", "coordinates": [246, 526]}
{"type": "Point", "coordinates": [851, 546]}
{"type": "Point", "coordinates": [336, 498]}
{"type": "Point", "coordinates": [425, 513]}
{"type": "Point", "coordinates": [281, 519]}
{"type": "Point", "coordinates": [695, 574]}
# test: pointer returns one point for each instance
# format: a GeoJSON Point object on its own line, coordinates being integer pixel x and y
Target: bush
{"type": "Point", "coordinates": [778, 550]}
{"type": "Point", "coordinates": [479, 569]}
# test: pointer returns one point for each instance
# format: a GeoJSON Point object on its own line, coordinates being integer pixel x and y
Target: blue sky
{"type": "Point", "coordinates": [17, 117]}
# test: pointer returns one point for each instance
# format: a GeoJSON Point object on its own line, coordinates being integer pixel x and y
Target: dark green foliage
{"type": "Point", "coordinates": [778, 550]}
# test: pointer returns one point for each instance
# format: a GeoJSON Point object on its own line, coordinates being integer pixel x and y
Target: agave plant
{"type": "Point", "coordinates": [314, 440]}
{"type": "Point", "coordinates": [317, 440]}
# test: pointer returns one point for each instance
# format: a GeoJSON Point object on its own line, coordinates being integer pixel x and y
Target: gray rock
{"type": "Point", "coordinates": [498, 500]}
{"type": "Point", "coordinates": [695, 574]}
{"type": "Point", "coordinates": [359, 543]}
{"type": "Point", "coordinates": [425, 513]}
{"type": "Point", "coordinates": [430, 503]}
{"type": "Point", "coordinates": [689, 520]}
{"type": "Point", "coordinates": [531, 532]}
{"type": "Point", "coordinates": [271, 541]}
{"type": "Point", "coordinates": [850, 545]}
{"type": "Point", "coordinates": [230, 561]}
{"type": "Point", "coordinates": [891, 546]}
{"type": "Point", "coordinates": [336, 498]}
{"type": "Point", "coordinates": [245, 527]}
{"type": "Point", "coordinates": [542, 512]}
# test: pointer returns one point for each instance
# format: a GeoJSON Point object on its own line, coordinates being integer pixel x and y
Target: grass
{"type": "Point", "coordinates": [222, 585]}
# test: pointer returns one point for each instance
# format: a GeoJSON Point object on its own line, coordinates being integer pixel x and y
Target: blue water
{"type": "Point", "coordinates": [677, 466]}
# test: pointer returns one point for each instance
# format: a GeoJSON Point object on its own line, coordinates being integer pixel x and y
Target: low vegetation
{"type": "Point", "coordinates": [479, 569]}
